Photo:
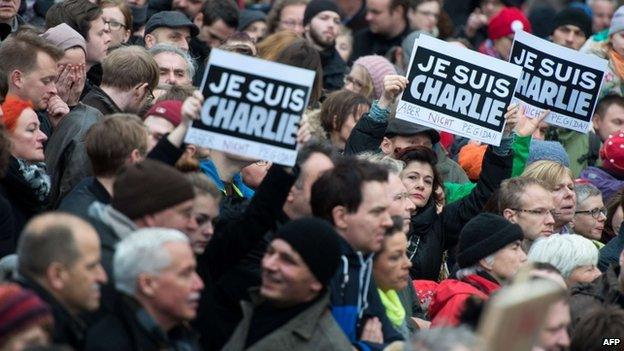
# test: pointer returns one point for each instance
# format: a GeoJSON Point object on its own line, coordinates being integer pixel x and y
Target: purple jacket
{"type": "Point", "coordinates": [602, 180]}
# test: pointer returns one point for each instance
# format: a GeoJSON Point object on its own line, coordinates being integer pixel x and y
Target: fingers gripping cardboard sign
{"type": "Point", "coordinates": [252, 107]}
{"type": "Point", "coordinates": [457, 90]}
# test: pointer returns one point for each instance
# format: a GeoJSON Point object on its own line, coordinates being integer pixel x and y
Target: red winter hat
{"type": "Point", "coordinates": [612, 152]}
{"type": "Point", "coordinates": [20, 309]}
{"type": "Point", "coordinates": [171, 110]}
{"type": "Point", "coordinates": [506, 22]}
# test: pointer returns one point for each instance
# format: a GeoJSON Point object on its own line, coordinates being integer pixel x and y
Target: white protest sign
{"type": "Point", "coordinates": [457, 90]}
{"type": "Point", "coordinates": [558, 79]}
{"type": "Point", "coordinates": [513, 317]}
{"type": "Point", "coordinates": [253, 107]}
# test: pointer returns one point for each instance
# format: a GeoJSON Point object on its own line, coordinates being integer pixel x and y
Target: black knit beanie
{"type": "Point", "coordinates": [149, 187]}
{"type": "Point", "coordinates": [317, 243]}
{"type": "Point", "coordinates": [484, 235]}
{"type": "Point", "coordinates": [317, 6]}
{"type": "Point", "coordinates": [575, 17]}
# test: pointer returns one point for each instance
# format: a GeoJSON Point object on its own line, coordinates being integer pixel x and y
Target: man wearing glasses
{"type": "Point", "coordinates": [527, 202]}
{"type": "Point", "coordinates": [130, 76]}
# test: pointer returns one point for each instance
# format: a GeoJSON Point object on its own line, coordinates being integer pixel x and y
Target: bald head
{"type": "Point", "coordinates": [52, 237]}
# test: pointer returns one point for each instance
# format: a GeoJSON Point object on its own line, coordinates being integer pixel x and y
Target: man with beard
{"type": "Point", "coordinates": [321, 22]}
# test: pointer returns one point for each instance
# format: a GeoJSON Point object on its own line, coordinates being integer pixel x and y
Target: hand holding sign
{"type": "Point", "coordinates": [304, 134]}
{"type": "Point", "coordinates": [393, 86]}
{"type": "Point", "coordinates": [457, 90]}
{"type": "Point", "coordinates": [511, 119]}
{"type": "Point", "coordinates": [252, 107]}
{"type": "Point", "coordinates": [558, 79]}
{"type": "Point", "coordinates": [191, 108]}
{"type": "Point", "coordinates": [527, 125]}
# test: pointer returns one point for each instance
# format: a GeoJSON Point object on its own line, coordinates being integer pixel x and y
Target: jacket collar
{"type": "Point", "coordinates": [302, 324]}
{"type": "Point", "coordinates": [483, 281]}
{"type": "Point", "coordinates": [105, 99]}
{"type": "Point", "coordinates": [65, 324]}
{"type": "Point", "coordinates": [117, 221]}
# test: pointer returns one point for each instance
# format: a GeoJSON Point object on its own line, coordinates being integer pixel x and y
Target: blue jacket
{"type": "Point", "coordinates": [242, 190]}
{"type": "Point", "coordinates": [354, 298]}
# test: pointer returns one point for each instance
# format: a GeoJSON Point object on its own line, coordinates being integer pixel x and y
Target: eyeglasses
{"type": "Point", "coordinates": [356, 83]}
{"type": "Point", "coordinates": [596, 212]}
{"type": "Point", "coordinates": [151, 96]}
{"type": "Point", "coordinates": [114, 25]}
{"type": "Point", "coordinates": [538, 212]}
{"type": "Point", "coordinates": [290, 24]}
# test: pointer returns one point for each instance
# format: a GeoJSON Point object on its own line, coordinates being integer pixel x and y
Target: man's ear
{"type": "Point", "coordinates": [150, 41]}
{"type": "Point", "coordinates": [17, 78]}
{"type": "Point", "coordinates": [190, 150]}
{"type": "Point", "coordinates": [509, 215]}
{"type": "Point", "coordinates": [199, 19]}
{"type": "Point", "coordinates": [339, 215]}
{"type": "Point", "coordinates": [316, 286]}
{"type": "Point", "coordinates": [135, 156]}
{"type": "Point", "coordinates": [140, 90]}
{"type": "Point", "coordinates": [386, 146]}
{"type": "Point", "coordinates": [597, 118]}
{"type": "Point", "coordinates": [56, 275]}
{"type": "Point", "coordinates": [483, 262]}
{"type": "Point", "coordinates": [147, 285]}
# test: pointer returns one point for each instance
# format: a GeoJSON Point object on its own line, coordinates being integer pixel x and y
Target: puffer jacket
{"type": "Point", "coordinates": [451, 295]}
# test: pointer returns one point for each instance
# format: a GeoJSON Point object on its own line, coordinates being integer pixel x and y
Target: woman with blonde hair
{"type": "Point", "coordinates": [558, 178]}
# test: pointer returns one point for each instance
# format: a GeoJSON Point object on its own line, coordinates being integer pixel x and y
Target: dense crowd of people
{"type": "Point", "coordinates": [116, 234]}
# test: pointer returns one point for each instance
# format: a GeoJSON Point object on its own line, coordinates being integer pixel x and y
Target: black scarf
{"type": "Point", "coordinates": [268, 318]}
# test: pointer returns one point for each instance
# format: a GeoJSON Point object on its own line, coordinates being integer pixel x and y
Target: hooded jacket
{"type": "Point", "coordinates": [450, 297]}
{"type": "Point", "coordinates": [354, 298]}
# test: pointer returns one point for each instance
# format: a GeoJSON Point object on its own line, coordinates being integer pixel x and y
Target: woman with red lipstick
{"type": "Point", "coordinates": [26, 184]}
{"type": "Point", "coordinates": [433, 231]}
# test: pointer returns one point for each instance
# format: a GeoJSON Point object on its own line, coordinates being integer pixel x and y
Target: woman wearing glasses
{"type": "Point", "coordinates": [118, 19]}
{"type": "Point", "coordinates": [590, 215]}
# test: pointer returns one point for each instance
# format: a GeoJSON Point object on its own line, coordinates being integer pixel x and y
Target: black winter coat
{"type": "Point", "coordinates": [230, 244]}
{"type": "Point", "coordinates": [131, 328]}
{"type": "Point", "coordinates": [68, 330]}
{"type": "Point", "coordinates": [431, 233]}
{"type": "Point", "coordinates": [334, 69]}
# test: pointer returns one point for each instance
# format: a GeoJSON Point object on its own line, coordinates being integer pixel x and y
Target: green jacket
{"type": "Point", "coordinates": [583, 149]}
{"type": "Point", "coordinates": [520, 148]}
